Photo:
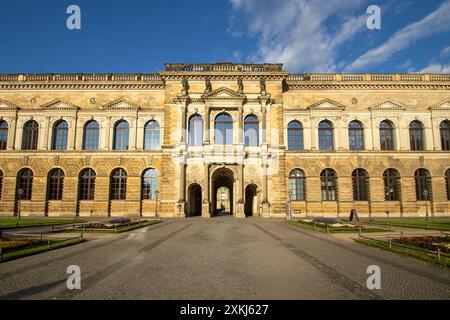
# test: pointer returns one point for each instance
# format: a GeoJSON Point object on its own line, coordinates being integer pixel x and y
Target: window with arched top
{"type": "Point", "coordinates": [3, 134]}
{"type": "Point", "coordinates": [422, 178]}
{"type": "Point", "coordinates": [387, 141]}
{"type": "Point", "coordinates": [295, 136]}
{"type": "Point", "coordinates": [356, 136]}
{"type": "Point", "coordinates": [360, 184]}
{"type": "Point", "coordinates": [86, 184]}
{"type": "Point", "coordinates": [60, 134]}
{"type": "Point", "coordinates": [392, 188]}
{"type": "Point", "coordinates": [328, 184]}
{"type": "Point", "coordinates": [91, 133]}
{"type": "Point", "coordinates": [30, 135]}
{"type": "Point", "coordinates": [121, 135]}
{"type": "Point", "coordinates": [223, 129]}
{"type": "Point", "coordinates": [55, 184]}
{"type": "Point", "coordinates": [445, 135]}
{"type": "Point", "coordinates": [152, 135]}
{"type": "Point", "coordinates": [118, 189]}
{"type": "Point", "coordinates": [251, 131]}
{"type": "Point", "coordinates": [326, 136]}
{"type": "Point", "coordinates": [24, 185]}
{"type": "Point", "coordinates": [416, 135]}
{"type": "Point", "coordinates": [297, 185]}
{"type": "Point", "coordinates": [447, 183]}
{"type": "Point", "coordinates": [149, 184]}
{"type": "Point", "coordinates": [196, 130]}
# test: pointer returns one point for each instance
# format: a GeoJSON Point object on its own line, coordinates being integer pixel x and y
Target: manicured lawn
{"type": "Point", "coordinates": [21, 223]}
{"type": "Point", "coordinates": [323, 228]}
{"type": "Point", "coordinates": [408, 250]}
{"type": "Point", "coordinates": [432, 224]}
{"type": "Point", "coordinates": [26, 247]}
{"type": "Point", "coordinates": [113, 229]}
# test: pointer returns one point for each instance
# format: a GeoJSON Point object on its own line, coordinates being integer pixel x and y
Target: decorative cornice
{"type": "Point", "coordinates": [60, 104]}
{"type": "Point", "coordinates": [120, 104]}
{"type": "Point", "coordinates": [223, 94]}
{"type": "Point", "coordinates": [326, 105]}
{"type": "Point", "coordinates": [387, 105]}
{"type": "Point", "coordinates": [441, 106]}
{"type": "Point", "coordinates": [8, 106]}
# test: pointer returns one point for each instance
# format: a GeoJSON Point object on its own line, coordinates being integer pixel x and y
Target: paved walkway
{"type": "Point", "coordinates": [222, 258]}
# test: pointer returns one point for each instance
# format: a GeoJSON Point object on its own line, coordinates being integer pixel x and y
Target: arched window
{"type": "Point", "coordinates": [295, 136]}
{"type": "Point", "coordinates": [328, 183]}
{"type": "Point", "coordinates": [297, 185]}
{"type": "Point", "coordinates": [55, 184]}
{"type": "Point", "coordinates": [30, 135]}
{"type": "Point", "coordinates": [423, 185]}
{"type": "Point", "coordinates": [87, 184]}
{"type": "Point", "coordinates": [387, 135]}
{"type": "Point", "coordinates": [326, 136]}
{"type": "Point", "coordinates": [251, 131]}
{"type": "Point", "coordinates": [91, 135]}
{"type": "Point", "coordinates": [121, 131]}
{"type": "Point", "coordinates": [118, 184]}
{"type": "Point", "coordinates": [356, 135]}
{"type": "Point", "coordinates": [196, 130]}
{"type": "Point", "coordinates": [447, 183]}
{"type": "Point", "coordinates": [1, 183]}
{"type": "Point", "coordinates": [152, 135]}
{"type": "Point", "coordinates": [59, 140]}
{"type": "Point", "coordinates": [392, 189]}
{"type": "Point", "coordinates": [360, 182]}
{"type": "Point", "coordinates": [149, 184]}
{"type": "Point", "coordinates": [3, 134]}
{"type": "Point", "coordinates": [24, 184]}
{"type": "Point", "coordinates": [416, 137]}
{"type": "Point", "coordinates": [445, 135]}
{"type": "Point", "coordinates": [223, 129]}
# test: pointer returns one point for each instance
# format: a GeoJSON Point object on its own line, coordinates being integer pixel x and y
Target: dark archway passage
{"type": "Point", "coordinates": [195, 200]}
{"type": "Point", "coordinates": [251, 204]}
{"type": "Point", "coordinates": [222, 192]}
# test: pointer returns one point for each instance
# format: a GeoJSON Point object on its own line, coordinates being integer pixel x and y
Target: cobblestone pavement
{"type": "Point", "coordinates": [222, 258]}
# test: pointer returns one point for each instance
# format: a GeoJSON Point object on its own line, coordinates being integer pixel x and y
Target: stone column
{"type": "Point", "coordinates": [240, 125]}
{"type": "Point", "coordinates": [207, 134]}
{"type": "Point", "coordinates": [79, 134]}
{"type": "Point", "coordinates": [11, 134]}
{"type": "Point", "coordinates": [106, 134]}
{"type": "Point", "coordinates": [183, 123]}
{"type": "Point", "coordinates": [133, 133]}
{"type": "Point", "coordinates": [19, 134]}
{"type": "Point", "coordinates": [240, 186]}
{"type": "Point", "coordinates": [265, 203]}
{"type": "Point", "coordinates": [263, 124]}
{"type": "Point", "coordinates": [206, 201]}
{"type": "Point", "coordinates": [72, 133]}
{"type": "Point", "coordinates": [314, 141]}
{"type": "Point", "coordinates": [46, 139]}
{"type": "Point", "coordinates": [182, 191]}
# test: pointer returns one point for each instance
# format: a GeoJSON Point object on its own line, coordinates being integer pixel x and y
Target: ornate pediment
{"type": "Point", "coordinates": [60, 104]}
{"type": "Point", "coordinates": [441, 106]}
{"type": "Point", "coordinates": [7, 106]}
{"type": "Point", "coordinates": [326, 105]}
{"type": "Point", "coordinates": [223, 94]}
{"type": "Point", "coordinates": [387, 105]}
{"type": "Point", "coordinates": [120, 105]}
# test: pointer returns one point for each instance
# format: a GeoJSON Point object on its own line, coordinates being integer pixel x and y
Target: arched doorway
{"type": "Point", "coordinates": [195, 200]}
{"type": "Point", "coordinates": [251, 200]}
{"type": "Point", "coordinates": [222, 192]}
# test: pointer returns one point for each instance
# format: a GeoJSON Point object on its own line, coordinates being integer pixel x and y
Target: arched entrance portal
{"type": "Point", "coordinates": [222, 192]}
{"type": "Point", "coordinates": [251, 201]}
{"type": "Point", "coordinates": [195, 200]}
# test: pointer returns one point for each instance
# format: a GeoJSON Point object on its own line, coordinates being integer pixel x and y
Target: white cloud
{"type": "Point", "coordinates": [436, 68]}
{"type": "Point", "coordinates": [435, 22]}
{"type": "Point", "coordinates": [295, 32]}
{"type": "Point", "coordinates": [445, 52]}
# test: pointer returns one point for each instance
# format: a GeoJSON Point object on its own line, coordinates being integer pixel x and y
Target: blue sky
{"type": "Point", "coordinates": [305, 35]}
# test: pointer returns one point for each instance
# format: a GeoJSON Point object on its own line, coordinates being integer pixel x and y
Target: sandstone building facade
{"type": "Point", "coordinates": [211, 139]}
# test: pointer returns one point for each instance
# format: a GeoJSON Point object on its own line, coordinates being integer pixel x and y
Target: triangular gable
{"type": "Point", "coordinates": [60, 104]}
{"type": "Point", "coordinates": [7, 106]}
{"type": "Point", "coordinates": [388, 105]}
{"type": "Point", "coordinates": [223, 93]}
{"type": "Point", "coordinates": [120, 104]}
{"type": "Point", "coordinates": [326, 105]}
{"type": "Point", "coordinates": [443, 105]}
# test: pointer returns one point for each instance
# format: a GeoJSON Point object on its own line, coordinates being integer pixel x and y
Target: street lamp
{"type": "Point", "coordinates": [425, 194]}
{"type": "Point", "coordinates": [20, 194]}
{"type": "Point", "coordinates": [156, 204]}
